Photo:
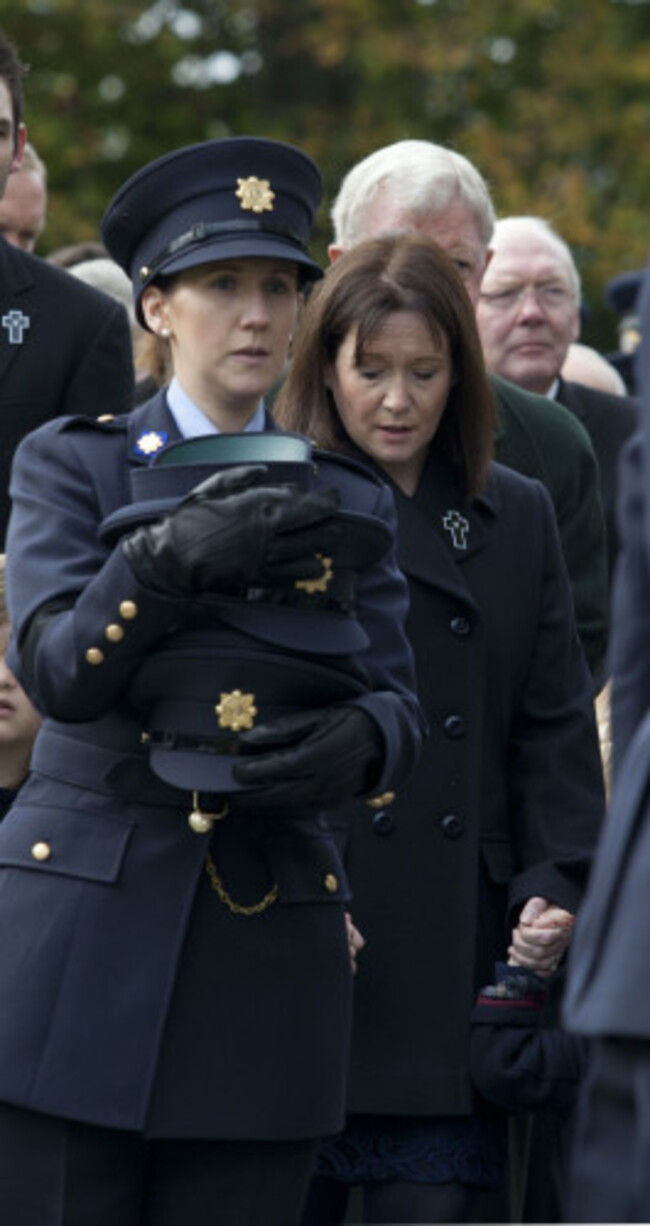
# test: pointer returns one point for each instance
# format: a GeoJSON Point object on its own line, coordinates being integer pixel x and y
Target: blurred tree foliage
{"type": "Point", "coordinates": [551, 99]}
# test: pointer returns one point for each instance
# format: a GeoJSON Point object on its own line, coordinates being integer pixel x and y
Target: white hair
{"type": "Point", "coordinates": [106, 275]}
{"type": "Point", "coordinates": [538, 227]}
{"type": "Point", "coordinates": [420, 178]}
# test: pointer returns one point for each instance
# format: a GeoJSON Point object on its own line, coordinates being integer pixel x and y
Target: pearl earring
{"type": "Point", "coordinates": [165, 332]}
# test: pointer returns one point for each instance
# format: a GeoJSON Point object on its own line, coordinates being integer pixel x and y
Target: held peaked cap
{"type": "Point", "coordinates": [221, 199]}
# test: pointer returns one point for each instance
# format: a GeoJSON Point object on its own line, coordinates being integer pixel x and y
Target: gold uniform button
{"type": "Point", "coordinates": [114, 633]}
{"type": "Point", "coordinates": [128, 610]}
{"type": "Point", "coordinates": [106, 417]}
{"type": "Point", "coordinates": [331, 883]}
{"type": "Point", "coordinates": [94, 655]}
{"type": "Point", "coordinates": [41, 851]}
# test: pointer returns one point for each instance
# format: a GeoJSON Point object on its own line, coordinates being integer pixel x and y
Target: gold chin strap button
{"type": "Point", "coordinates": [114, 633]}
{"type": "Point", "coordinates": [331, 883]}
{"type": "Point", "coordinates": [128, 610]}
{"type": "Point", "coordinates": [106, 417]}
{"type": "Point", "coordinates": [41, 851]}
{"type": "Point", "coordinates": [379, 802]}
{"type": "Point", "coordinates": [94, 655]}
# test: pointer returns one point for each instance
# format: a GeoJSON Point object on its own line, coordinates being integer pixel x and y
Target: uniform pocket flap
{"type": "Point", "coordinates": [51, 840]}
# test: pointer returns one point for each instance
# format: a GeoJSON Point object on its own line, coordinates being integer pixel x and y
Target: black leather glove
{"type": "Point", "coordinates": [320, 757]}
{"type": "Point", "coordinates": [231, 531]}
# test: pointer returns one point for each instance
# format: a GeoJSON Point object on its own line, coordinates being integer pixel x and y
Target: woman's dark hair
{"type": "Point", "coordinates": [12, 72]}
{"type": "Point", "coordinates": [375, 279]}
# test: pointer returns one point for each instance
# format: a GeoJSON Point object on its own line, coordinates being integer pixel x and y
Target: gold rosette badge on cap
{"type": "Point", "coordinates": [236, 710]}
{"type": "Point", "coordinates": [255, 194]}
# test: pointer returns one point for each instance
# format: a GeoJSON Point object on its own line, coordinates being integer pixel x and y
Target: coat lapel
{"type": "Point", "coordinates": [437, 533]}
{"type": "Point", "coordinates": [150, 427]}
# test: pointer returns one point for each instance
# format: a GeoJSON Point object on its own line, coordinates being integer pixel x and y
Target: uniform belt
{"type": "Point", "coordinates": [125, 775]}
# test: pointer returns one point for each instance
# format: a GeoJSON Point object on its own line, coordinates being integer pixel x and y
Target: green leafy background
{"type": "Point", "coordinates": [550, 99]}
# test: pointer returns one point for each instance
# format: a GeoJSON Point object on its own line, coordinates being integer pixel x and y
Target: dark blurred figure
{"type": "Point", "coordinates": [609, 971]}
{"type": "Point", "coordinates": [622, 295]}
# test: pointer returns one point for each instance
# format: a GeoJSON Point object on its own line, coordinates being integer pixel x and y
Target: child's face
{"type": "Point", "coordinates": [19, 722]}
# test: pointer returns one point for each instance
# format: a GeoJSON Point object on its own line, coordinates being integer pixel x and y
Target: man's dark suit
{"type": "Point", "coordinates": [608, 993]}
{"type": "Point", "coordinates": [540, 438]}
{"type": "Point", "coordinates": [65, 348]}
{"type": "Point", "coordinates": [609, 421]}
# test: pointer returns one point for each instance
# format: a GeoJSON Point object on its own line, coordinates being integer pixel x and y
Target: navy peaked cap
{"type": "Point", "coordinates": [622, 292]}
{"type": "Point", "coordinates": [220, 199]}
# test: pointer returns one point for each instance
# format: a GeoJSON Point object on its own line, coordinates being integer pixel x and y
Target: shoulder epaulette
{"type": "Point", "coordinates": [106, 424]}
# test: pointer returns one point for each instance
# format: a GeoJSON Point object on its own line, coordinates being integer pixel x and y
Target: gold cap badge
{"type": "Point", "coordinates": [255, 194]}
{"type": "Point", "coordinates": [236, 710]}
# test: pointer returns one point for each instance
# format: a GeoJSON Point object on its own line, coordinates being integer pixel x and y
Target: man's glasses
{"type": "Point", "coordinates": [549, 295]}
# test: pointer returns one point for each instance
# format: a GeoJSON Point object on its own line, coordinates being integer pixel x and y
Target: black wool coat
{"type": "Point", "coordinates": [504, 804]}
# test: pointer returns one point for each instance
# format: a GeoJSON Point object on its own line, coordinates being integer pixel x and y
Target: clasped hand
{"type": "Point", "coordinates": [316, 757]}
{"type": "Point", "coordinates": [232, 531]}
{"type": "Point", "coordinates": [541, 937]}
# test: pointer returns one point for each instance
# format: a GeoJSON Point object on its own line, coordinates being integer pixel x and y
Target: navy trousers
{"type": "Point", "coordinates": [56, 1172]}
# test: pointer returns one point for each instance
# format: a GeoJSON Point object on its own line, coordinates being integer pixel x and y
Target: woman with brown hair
{"type": "Point", "coordinates": [498, 820]}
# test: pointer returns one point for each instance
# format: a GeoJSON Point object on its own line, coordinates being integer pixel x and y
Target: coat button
{"type": "Point", "coordinates": [460, 626]}
{"type": "Point", "coordinates": [41, 851]}
{"type": "Point", "coordinates": [128, 610]}
{"type": "Point", "coordinates": [454, 726]}
{"type": "Point", "coordinates": [114, 633]}
{"type": "Point", "coordinates": [451, 826]}
{"type": "Point", "coordinates": [331, 883]}
{"type": "Point", "coordinates": [94, 655]}
{"type": "Point", "coordinates": [382, 823]}
{"type": "Point", "coordinates": [378, 802]}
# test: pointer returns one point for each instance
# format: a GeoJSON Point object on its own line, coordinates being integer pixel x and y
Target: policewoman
{"type": "Point", "coordinates": [211, 620]}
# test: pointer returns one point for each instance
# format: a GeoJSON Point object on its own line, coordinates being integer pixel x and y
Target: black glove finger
{"type": "Point", "coordinates": [306, 509]}
{"type": "Point", "coordinates": [228, 481]}
{"type": "Point", "coordinates": [280, 733]}
{"type": "Point", "coordinates": [305, 542]}
{"type": "Point", "coordinates": [285, 766]}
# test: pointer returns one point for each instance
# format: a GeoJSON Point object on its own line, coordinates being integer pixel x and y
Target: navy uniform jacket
{"type": "Point", "coordinates": [64, 348]}
{"type": "Point", "coordinates": [138, 999]}
{"type": "Point", "coordinates": [609, 968]}
{"type": "Point", "coordinates": [505, 802]}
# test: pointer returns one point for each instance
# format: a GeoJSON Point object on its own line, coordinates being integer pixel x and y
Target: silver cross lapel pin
{"type": "Point", "coordinates": [458, 526]}
{"type": "Point", "coordinates": [16, 325]}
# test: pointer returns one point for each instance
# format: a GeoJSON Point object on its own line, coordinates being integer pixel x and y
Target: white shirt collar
{"type": "Point", "coordinates": [192, 421]}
